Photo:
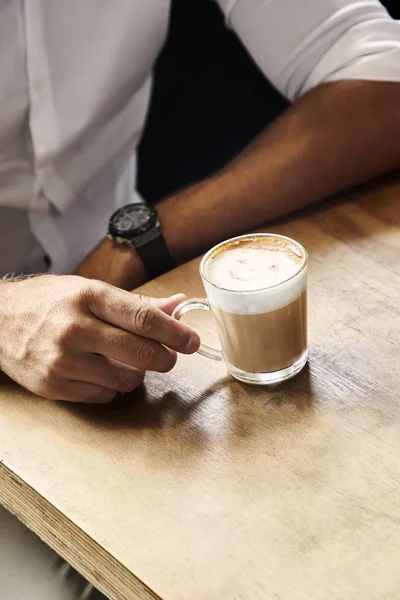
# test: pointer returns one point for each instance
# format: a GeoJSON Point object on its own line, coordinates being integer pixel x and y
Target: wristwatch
{"type": "Point", "coordinates": [138, 226]}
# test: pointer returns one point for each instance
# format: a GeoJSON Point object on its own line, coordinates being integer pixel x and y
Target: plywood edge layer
{"type": "Point", "coordinates": [90, 559]}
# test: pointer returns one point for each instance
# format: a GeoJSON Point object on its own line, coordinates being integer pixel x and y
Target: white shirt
{"type": "Point", "coordinates": [75, 83]}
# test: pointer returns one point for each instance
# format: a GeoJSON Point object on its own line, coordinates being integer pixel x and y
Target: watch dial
{"type": "Point", "coordinates": [133, 220]}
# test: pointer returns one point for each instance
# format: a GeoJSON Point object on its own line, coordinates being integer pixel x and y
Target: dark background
{"type": "Point", "coordinates": [209, 100]}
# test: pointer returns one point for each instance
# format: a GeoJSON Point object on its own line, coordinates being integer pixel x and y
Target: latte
{"type": "Point", "coordinates": [256, 286]}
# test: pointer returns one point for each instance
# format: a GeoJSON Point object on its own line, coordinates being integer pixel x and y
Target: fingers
{"type": "Point", "coordinates": [129, 312]}
{"type": "Point", "coordinates": [92, 379]}
{"type": "Point", "coordinates": [138, 352]}
{"type": "Point", "coordinates": [167, 305]}
{"type": "Point", "coordinates": [105, 372]}
{"type": "Point", "coordinates": [91, 337]}
{"type": "Point", "coordinates": [82, 392]}
{"type": "Point", "coordinates": [85, 341]}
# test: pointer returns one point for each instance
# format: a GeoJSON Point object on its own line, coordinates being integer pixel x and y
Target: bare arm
{"type": "Point", "coordinates": [337, 135]}
{"type": "Point", "coordinates": [339, 62]}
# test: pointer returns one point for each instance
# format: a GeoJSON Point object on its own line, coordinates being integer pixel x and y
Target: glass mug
{"type": "Point", "coordinates": [263, 331]}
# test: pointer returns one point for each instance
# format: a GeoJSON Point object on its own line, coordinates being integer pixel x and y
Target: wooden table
{"type": "Point", "coordinates": [200, 488]}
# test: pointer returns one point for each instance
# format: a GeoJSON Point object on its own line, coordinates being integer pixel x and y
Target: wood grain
{"type": "Point", "coordinates": [201, 488]}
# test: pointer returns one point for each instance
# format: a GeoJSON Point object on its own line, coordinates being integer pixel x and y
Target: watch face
{"type": "Point", "coordinates": [132, 220]}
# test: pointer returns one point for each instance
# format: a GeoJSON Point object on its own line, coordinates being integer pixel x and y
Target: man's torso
{"type": "Point", "coordinates": [75, 81]}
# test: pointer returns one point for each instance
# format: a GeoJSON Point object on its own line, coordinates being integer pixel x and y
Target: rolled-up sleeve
{"type": "Point", "coordinates": [299, 44]}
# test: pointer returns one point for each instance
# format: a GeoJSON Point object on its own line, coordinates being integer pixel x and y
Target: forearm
{"type": "Point", "coordinates": [336, 136]}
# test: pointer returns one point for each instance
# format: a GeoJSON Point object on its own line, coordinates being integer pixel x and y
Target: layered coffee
{"type": "Point", "coordinates": [256, 286]}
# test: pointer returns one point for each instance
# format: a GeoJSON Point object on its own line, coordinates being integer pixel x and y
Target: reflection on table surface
{"type": "Point", "coordinates": [200, 487]}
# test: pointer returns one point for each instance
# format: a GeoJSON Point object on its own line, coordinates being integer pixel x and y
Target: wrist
{"type": "Point", "coordinates": [116, 264]}
{"type": "Point", "coordinates": [137, 227]}
{"type": "Point", "coordinates": [129, 270]}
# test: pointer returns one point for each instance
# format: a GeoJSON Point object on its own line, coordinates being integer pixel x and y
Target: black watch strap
{"type": "Point", "coordinates": [155, 256]}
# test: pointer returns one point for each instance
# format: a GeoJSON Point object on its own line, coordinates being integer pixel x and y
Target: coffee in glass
{"type": "Point", "coordinates": [256, 288]}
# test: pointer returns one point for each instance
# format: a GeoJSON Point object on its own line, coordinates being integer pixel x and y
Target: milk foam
{"type": "Point", "coordinates": [251, 268]}
{"type": "Point", "coordinates": [254, 274]}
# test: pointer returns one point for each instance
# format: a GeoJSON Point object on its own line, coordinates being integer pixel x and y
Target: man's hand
{"type": "Point", "coordinates": [67, 338]}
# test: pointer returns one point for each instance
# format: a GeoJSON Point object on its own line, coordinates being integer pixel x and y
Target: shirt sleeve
{"type": "Point", "coordinates": [299, 44]}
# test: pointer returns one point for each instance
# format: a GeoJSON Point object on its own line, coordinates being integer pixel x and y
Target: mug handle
{"type": "Point", "coordinates": [197, 304]}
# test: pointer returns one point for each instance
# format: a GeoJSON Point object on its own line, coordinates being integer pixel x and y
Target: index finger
{"type": "Point", "coordinates": [134, 314]}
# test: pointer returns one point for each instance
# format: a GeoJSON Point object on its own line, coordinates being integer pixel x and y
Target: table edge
{"type": "Point", "coordinates": [50, 524]}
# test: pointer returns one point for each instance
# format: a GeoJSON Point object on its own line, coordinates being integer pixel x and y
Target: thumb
{"type": "Point", "coordinates": [167, 305]}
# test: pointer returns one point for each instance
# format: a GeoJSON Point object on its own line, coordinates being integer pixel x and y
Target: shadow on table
{"type": "Point", "coordinates": [227, 404]}
{"type": "Point", "coordinates": [141, 410]}
{"type": "Point", "coordinates": [297, 392]}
